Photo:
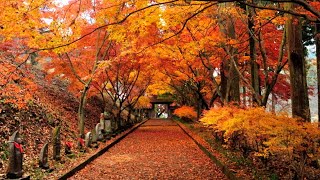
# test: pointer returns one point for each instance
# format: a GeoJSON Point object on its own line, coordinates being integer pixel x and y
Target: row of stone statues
{"type": "Point", "coordinates": [103, 131]}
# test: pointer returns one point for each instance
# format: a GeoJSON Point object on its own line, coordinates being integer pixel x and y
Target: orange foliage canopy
{"type": "Point", "coordinates": [173, 35]}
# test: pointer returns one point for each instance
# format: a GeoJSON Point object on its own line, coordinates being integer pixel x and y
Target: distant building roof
{"type": "Point", "coordinates": [160, 100]}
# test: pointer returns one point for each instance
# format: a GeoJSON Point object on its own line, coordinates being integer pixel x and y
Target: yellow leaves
{"type": "Point", "coordinates": [280, 20]}
{"type": "Point", "coordinates": [143, 102]}
{"type": "Point", "coordinates": [186, 112]}
{"type": "Point", "coordinates": [104, 64]}
{"type": "Point", "coordinates": [108, 86]}
{"type": "Point", "coordinates": [216, 116]}
{"type": "Point", "coordinates": [264, 132]}
{"type": "Point", "coordinates": [159, 88]}
{"type": "Point", "coordinates": [229, 9]}
{"type": "Point", "coordinates": [264, 16]}
{"type": "Point", "coordinates": [132, 76]}
{"type": "Point", "coordinates": [118, 33]}
{"type": "Point", "coordinates": [244, 59]}
{"type": "Point", "coordinates": [20, 18]}
{"type": "Point", "coordinates": [233, 42]}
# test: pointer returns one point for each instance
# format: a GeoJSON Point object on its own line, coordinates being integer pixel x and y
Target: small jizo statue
{"type": "Point", "coordinates": [43, 160]}
{"type": "Point", "coordinates": [99, 132]}
{"type": "Point", "coordinates": [102, 118]}
{"type": "Point", "coordinates": [94, 140]}
{"type": "Point", "coordinates": [56, 143]}
{"type": "Point", "coordinates": [107, 124]}
{"type": "Point", "coordinates": [81, 143]}
{"type": "Point", "coordinates": [67, 149]}
{"type": "Point", "coordinates": [15, 158]}
{"type": "Point", "coordinates": [88, 139]}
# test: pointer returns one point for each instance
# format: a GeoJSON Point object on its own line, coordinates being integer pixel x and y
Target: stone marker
{"type": "Point", "coordinates": [81, 144]}
{"type": "Point", "coordinates": [133, 119]}
{"type": "Point", "coordinates": [94, 135]}
{"type": "Point", "coordinates": [99, 130]}
{"type": "Point", "coordinates": [88, 139]}
{"type": "Point", "coordinates": [56, 143]}
{"type": "Point", "coordinates": [107, 126]}
{"type": "Point", "coordinates": [15, 170]}
{"type": "Point", "coordinates": [102, 118]}
{"type": "Point", "coordinates": [94, 142]}
{"type": "Point", "coordinates": [113, 123]}
{"type": "Point", "coordinates": [67, 148]}
{"type": "Point", "coordinates": [43, 160]}
{"type": "Point", "coordinates": [107, 122]}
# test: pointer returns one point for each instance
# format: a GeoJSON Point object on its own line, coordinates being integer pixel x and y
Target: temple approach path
{"type": "Point", "coordinates": [158, 149]}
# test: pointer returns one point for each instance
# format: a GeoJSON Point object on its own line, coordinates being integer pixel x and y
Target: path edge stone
{"type": "Point", "coordinates": [117, 139]}
{"type": "Point", "coordinates": [223, 168]}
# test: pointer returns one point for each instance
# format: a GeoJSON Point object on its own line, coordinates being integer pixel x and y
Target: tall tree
{"type": "Point", "coordinates": [227, 27]}
{"type": "Point", "coordinates": [317, 39]}
{"type": "Point", "coordinates": [298, 79]}
{"type": "Point", "coordinates": [254, 69]}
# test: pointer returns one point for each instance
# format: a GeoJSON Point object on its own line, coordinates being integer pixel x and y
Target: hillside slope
{"type": "Point", "coordinates": [52, 105]}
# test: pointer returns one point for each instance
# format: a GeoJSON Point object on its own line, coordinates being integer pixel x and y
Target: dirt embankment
{"type": "Point", "coordinates": [52, 105]}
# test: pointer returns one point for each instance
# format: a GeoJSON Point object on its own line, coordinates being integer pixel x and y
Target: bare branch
{"type": "Point", "coordinates": [302, 3]}
{"type": "Point", "coordinates": [73, 69]}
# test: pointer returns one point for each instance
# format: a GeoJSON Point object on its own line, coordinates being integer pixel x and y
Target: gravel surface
{"type": "Point", "coordinates": [159, 149]}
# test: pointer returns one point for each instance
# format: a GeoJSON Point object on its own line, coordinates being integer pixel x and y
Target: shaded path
{"type": "Point", "coordinates": [159, 149]}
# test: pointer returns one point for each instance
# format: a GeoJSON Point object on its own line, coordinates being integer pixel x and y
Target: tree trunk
{"type": "Point", "coordinates": [130, 110]}
{"type": "Point", "coordinates": [232, 90]}
{"type": "Point", "coordinates": [298, 80]}
{"type": "Point", "coordinates": [81, 110]}
{"type": "Point", "coordinates": [224, 80]}
{"type": "Point", "coordinates": [317, 38]}
{"type": "Point", "coordinates": [255, 81]}
{"type": "Point", "coordinates": [273, 102]}
{"type": "Point", "coordinates": [234, 79]}
{"type": "Point", "coordinates": [244, 101]}
{"type": "Point", "coordinates": [199, 106]}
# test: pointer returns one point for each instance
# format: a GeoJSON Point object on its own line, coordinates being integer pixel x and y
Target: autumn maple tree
{"type": "Point", "coordinates": [50, 26]}
{"type": "Point", "coordinates": [206, 54]}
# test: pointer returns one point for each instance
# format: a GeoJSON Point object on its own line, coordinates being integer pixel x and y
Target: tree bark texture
{"type": "Point", "coordinates": [317, 38]}
{"type": "Point", "coordinates": [298, 80]}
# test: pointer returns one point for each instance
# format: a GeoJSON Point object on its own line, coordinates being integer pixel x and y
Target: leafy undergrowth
{"type": "Point", "coordinates": [287, 147]}
{"type": "Point", "coordinates": [51, 105]}
{"type": "Point", "coordinates": [186, 113]}
{"type": "Point", "coordinates": [262, 144]}
{"type": "Point", "coordinates": [233, 161]}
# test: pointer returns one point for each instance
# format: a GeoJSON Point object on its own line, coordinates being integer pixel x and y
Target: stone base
{"type": "Point", "coordinates": [94, 145]}
{"type": "Point", "coordinates": [82, 150]}
{"type": "Point", "coordinates": [58, 158]}
{"type": "Point", "coordinates": [22, 178]}
{"type": "Point", "coordinates": [44, 166]}
{"type": "Point", "coordinates": [50, 170]}
{"type": "Point", "coordinates": [67, 152]}
{"type": "Point", "coordinates": [71, 156]}
{"type": "Point", "coordinates": [103, 140]}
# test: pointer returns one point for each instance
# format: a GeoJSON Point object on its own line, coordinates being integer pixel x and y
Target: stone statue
{"type": "Point", "coordinates": [43, 160]}
{"type": "Point", "coordinates": [15, 157]}
{"type": "Point", "coordinates": [56, 143]}
{"type": "Point", "coordinates": [88, 139]}
{"type": "Point", "coordinates": [67, 149]}
{"type": "Point", "coordinates": [99, 130]}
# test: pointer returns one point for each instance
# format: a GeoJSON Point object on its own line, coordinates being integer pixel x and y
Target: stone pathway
{"type": "Point", "coordinates": [158, 149]}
